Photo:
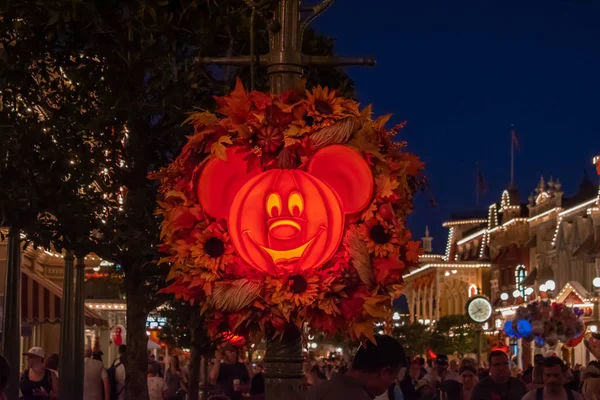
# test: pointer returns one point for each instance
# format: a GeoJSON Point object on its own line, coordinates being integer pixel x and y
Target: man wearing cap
{"type": "Point", "coordinates": [230, 375]}
{"type": "Point", "coordinates": [440, 372]}
{"type": "Point", "coordinates": [38, 382]}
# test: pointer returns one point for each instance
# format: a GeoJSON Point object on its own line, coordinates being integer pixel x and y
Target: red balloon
{"type": "Point", "coordinates": [574, 342]}
{"type": "Point", "coordinates": [118, 339]}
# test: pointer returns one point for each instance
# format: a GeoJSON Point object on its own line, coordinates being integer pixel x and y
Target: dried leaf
{"type": "Point", "coordinates": [234, 296]}
{"type": "Point", "coordinates": [364, 140]}
{"type": "Point", "coordinates": [366, 112]}
{"type": "Point", "coordinates": [294, 130]}
{"type": "Point", "coordinates": [385, 186]}
{"type": "Point", "coordinates": [178, 195]}
{"type": "Point", "coordinates": [243, 131]}
{"type": "Point", "coordinates": [381, 121]}
{"type": "Point", "coordinates": [290, 141]}
{"type": "Point", "coordinates": [365, 329]}
{"type": "Point", "coordinates": [218, 149]}
{"type": "Point", "coordinates": [377, 310]}
{"type": "Point", "coordinates": [203, 118]}
{"type": "Point", "coordinates": [172, 274]}
{"type": "Point", "coordinates": [360, 259]}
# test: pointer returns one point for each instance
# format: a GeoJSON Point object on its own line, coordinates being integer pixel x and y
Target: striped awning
{"type": "Point", "coordinates": [41, 301]}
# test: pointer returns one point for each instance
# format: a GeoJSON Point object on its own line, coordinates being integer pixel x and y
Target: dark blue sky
{"type": "Point", "coordinates": [461, 72]}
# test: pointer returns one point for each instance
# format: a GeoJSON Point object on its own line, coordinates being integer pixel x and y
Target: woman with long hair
{"type": "Point", "coordinates": [174, 380]}
{"type": "Point", "coordinates": [468, 378]}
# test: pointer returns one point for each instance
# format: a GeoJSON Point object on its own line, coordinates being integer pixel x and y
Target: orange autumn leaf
{"type": "Point", "coordinates": [413, 251]}
{"type": "Point", "coordinates": [412, 164]}
{"type": "Point", "coordinates": [381, 121]}
{"type": "Point", "coordinates": [364, 329]}
{"type": "Point", "coordinates": [386, 186]}
{"type": "Point", "coordinates": [237, 104]}
{"type": "Point", "coordinates": [218, 148]}
{"type": "Point", "coordinates": [201, 119]}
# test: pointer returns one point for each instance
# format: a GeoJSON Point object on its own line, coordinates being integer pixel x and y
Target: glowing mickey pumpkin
{"type": "Point", "coordinates": [287, 218]}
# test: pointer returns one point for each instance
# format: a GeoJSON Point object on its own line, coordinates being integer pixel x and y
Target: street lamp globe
{"type": "Point", "coordinates": [529, 291]}
{"type": "Point", "coordinates": [543, 288]}
{"type": "Point", "coordinates": [550, 284]}
{"type": "Point", "coordinates": [596, 282]}
{"type": "Point", "coordinates": [516, 293]}
{"type": "Point", "coordinates": [504, 296]}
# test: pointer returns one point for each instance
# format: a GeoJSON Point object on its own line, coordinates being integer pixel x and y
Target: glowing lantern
{"type": "Point", "coordinates": [287, 218]}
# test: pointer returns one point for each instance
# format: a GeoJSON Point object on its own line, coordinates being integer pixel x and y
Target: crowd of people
{"type": "Point", "coordinates": [378, 371]}
{"type": "Point", "coordinates": [382, 372]}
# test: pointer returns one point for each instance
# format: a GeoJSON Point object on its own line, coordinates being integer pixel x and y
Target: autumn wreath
{"type": "Point", "coordinates": [289, 209]}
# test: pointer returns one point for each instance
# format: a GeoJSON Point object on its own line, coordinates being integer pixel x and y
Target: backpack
{"type": "Point", "coordinates": [112, 378]}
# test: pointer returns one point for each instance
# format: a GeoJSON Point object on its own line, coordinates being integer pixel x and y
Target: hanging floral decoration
{"type": "Point", "coordinates": [546, 323]}
{"type": "Point", "coordinates": [285, 209]}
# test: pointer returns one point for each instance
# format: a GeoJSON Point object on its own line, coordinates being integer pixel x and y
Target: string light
{"type": "Point", "coordinates": [483, 244]}
{"type": "Point", "coordinates": [449, 244]}
{"type": "Point", "coordinates": [448, 265]}
{"type": "Point", "coordinates": [449, 224]}
{"type": "Point", "coordinates": [557, 209]}
{"type": "Point", "coordinates": [567, 212]}
{"type": "Point", "coordinates": [471, 237]}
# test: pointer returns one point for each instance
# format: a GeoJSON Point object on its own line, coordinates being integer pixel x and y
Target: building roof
{"type": "Point", "coordinates": [588, 189]}
{"type": "Point", "coordinates": [469, 214]}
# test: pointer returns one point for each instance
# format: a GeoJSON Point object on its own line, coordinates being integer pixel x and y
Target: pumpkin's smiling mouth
{"type": "Point", "coordinates": [289, 254]}
{"type": "Point", "coordinates": [281, 255]}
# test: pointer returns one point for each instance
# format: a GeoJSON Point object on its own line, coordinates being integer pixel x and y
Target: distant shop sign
{"type": "Point", "coordinates": [155, 322]}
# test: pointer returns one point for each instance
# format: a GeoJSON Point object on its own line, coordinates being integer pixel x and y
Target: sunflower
{"type": "Point", "coordinates": [382, 239]}
{"type": "Point", "coordinates": [212, 249]}
{"type": "Point", "coordinates": [297, 288]}
{"type": "Point", "coordinates": [325, 104]}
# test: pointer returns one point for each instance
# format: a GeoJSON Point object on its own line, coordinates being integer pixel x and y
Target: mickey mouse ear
{"type": "Point", "coordinates": [347, 173]}
{"type": "Point", "coordinates": [221, 180]}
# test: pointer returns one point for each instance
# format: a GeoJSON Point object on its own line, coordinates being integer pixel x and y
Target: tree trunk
{"type": "Point", "coordinates": [136, 357]}
{"type": "Point", "coordinates": [67, 330]}
{"type": "Point", "coordinates": [79, 328]}
{"type": "Point", "coordinates": [195, 359]}
{"type": "Point", "coordinates": [11, 324]}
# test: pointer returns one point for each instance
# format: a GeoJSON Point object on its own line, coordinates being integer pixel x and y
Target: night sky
{"type": "Point", "coordinates": [461, 72]}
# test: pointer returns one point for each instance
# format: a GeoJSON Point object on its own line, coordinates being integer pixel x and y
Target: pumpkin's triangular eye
{"type": "Point", "coordinates": [221, 180]}
{"type": "Point", "coordinates": [347, 173]}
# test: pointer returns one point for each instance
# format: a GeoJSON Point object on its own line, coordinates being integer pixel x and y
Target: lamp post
{"type": "Point", "coordinates": [285, 63]}
{"type": "Point", "coordinates": [594, 324]}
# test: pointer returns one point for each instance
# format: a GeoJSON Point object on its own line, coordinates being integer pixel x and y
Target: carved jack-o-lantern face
{"type": "Point", "coordinates": [287, 218]}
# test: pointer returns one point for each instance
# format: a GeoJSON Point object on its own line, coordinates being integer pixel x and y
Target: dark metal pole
{"type": "Point", "coordinates": [79, 329]}
{"type": "Point", "coordinates": [66, 332]}
{"type": "Point", "coordinates": [285, 66]}
{"type": "Point", "coordinates": [283, 365]}
{"type": "Point", "coordinates": [11, 324]}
